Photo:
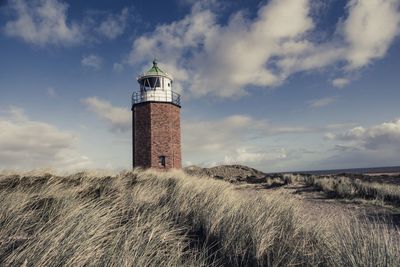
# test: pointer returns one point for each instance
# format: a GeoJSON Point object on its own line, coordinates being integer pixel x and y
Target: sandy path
{"type": "Point", "coordinates": [317, 205]}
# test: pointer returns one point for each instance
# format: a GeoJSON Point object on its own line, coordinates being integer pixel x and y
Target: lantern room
{"type": "Point", "coordinates": [155, 85]}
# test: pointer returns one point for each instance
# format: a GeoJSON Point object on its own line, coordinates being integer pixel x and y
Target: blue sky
{"type": "Point", "coordinates": [277, 85]}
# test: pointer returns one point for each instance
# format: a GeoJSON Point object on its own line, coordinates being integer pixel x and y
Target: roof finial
{"type": "Point", "coordinates": [155, 62]}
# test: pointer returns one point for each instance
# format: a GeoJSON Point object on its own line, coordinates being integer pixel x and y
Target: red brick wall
{"type": "Point", "coordinates": [141, 136]}
{"type": "Point", "coordinates": [156, 132]}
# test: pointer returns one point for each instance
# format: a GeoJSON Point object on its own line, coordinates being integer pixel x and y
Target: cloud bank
{"type": "Point", "coordinates": [243, 139]}
{"type": "Point", "coordinates": [26, 144]}
{"type": "Point", "coordinates": [377, 145]}
{"type": "Point", "coordinates": [382, 136]}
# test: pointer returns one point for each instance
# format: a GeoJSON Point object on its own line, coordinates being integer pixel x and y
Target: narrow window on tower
{"type": "Point", "coordinates": [161, 161]}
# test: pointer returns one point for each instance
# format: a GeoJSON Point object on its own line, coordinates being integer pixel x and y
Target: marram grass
{"type": "Point", "coordinates": [148, 218]}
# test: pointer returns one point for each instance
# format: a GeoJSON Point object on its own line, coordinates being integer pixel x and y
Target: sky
{"type": "Point", "coordinates": [279, 85]}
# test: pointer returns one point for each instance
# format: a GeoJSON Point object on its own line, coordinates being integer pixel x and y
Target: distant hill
{"type": "Point", "coordinates": [231, 173]}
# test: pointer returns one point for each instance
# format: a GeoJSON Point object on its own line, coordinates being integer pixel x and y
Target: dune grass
{"type": "Point", "coordinates": [148, 218]}
{"type": "Point", "coordinates": [344, 187]}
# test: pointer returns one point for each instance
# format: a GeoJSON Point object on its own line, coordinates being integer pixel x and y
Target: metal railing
{"type": "Point", "coordinates": [168, 96]}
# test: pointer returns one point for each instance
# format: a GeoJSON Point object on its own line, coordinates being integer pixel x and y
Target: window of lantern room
{"type": "Point", "coordinates": [153, 82]}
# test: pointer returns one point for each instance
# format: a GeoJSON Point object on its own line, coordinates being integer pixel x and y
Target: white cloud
{"type": "Point", "coordinates": [244, 156]}
{"type": "Point", "coordinates": [207, 57]}
{"type": "Point", "coordinates": [343, 125]}
{"type": "Point", "coordinates": [382, 136]}
{"type": "Point", "coordinates": [118, 119]}
{"type": "Point", "coordinates": [322, 102]}
{"type": "Point", "coordinates": [118, 67]}
{"type": "Point", "coordinates": [354, 133]}
{"type": "Point", "coordinates": [374, 146]}
{"type": "Point", "coordinates": [227, 57]}
{"type": "Point", "coordinates": [27, 144]}
{"type": "Point", "coordinates": [42, 22]}
{"type": "Point", "coordinates": [330, 136]}
{"type": "Point", "coordinates": [370, 29]}
{"type": "Point", "coordinates": [92, 61]}
{"type": "Point", "coordinates": [340, 82]}
{"type": "Point", "coordinates": [47, 22]}
{"type": "Point", "coordinates": [114, 25]}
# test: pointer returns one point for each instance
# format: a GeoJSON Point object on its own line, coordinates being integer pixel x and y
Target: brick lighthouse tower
{"type": "Point", "coordinates": [156, 130]}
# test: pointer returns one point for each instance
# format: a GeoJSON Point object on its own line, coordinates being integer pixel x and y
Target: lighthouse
{"type": "Point", "coordinates": [156, 130]}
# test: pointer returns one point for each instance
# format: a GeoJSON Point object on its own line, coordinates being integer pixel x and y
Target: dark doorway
{"type": "Point", "coordinates": [161, 161]}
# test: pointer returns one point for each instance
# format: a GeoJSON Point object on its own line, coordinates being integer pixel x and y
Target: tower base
{"type": "Point", "coordinates": [156, 135]}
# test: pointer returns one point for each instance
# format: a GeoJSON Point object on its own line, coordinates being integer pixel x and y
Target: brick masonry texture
{"type": "Point", "coordinates": [156, 132]}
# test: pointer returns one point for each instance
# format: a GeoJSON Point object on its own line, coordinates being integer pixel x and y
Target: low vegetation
{"type": "Point", "coordinates": [350, 188]}
{"type": "Point", "coordinates": [148, 218]}
{"type": "Point", "coordinates": [346, 186]}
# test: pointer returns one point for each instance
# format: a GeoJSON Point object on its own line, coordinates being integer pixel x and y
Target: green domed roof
{"type": "Point", "coordinates": [155, 70]}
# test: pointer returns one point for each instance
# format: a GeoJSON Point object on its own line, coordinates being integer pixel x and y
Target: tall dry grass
{"type": "Point", "coordinates": [147, 218]}
{"type": "Point", "coordinates": [88, 221]}
{"type": "Point", "coordinates": [344, 187]}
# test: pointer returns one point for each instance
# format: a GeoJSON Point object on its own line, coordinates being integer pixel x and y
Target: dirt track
{"type": "Point", "coordinates": [318, 205]}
